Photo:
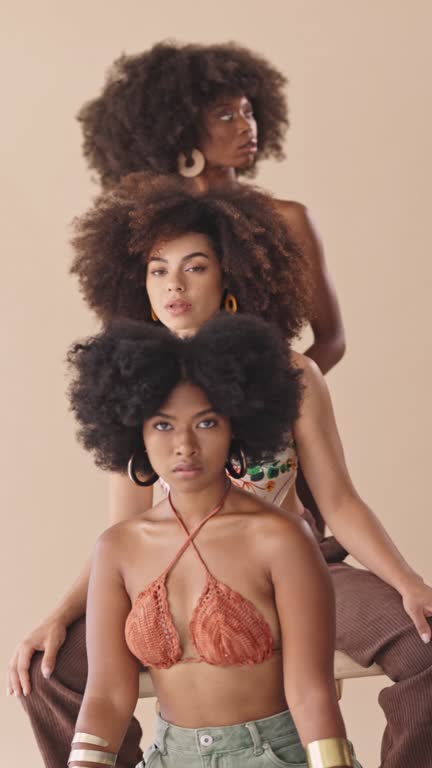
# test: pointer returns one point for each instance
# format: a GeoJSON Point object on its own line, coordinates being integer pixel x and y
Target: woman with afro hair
{"type": "Point", "coordinates": [177, 258]}
{"type": "Point", "coordinates": [213, 589]}
{"type": "Point", "coordinates": [209, 113]}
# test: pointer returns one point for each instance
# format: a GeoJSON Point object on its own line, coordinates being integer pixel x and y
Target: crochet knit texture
{"type": "Point", "coordinates": [226, 629]}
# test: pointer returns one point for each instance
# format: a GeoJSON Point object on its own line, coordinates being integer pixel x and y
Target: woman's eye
{"type": "Point", "coordinates": [226, 116]}
{"type": "Point", "coordinates": [162, 426]}
{"type": "Point", "coordinates": [195, 268]}
{"type": "Point", "coordinates": [207, 424]}
{"type": "Point", "coordinates": [157, 272]}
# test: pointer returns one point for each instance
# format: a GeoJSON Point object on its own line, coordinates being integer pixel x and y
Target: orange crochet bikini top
{"type": "Point", "coordinates": [225, 629]}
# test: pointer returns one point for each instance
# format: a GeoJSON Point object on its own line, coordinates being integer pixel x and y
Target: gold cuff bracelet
{"type": "Point", "coordinates": [92, 756]}
{"type": "Point", "coordinates": [329, 753]}
{"type": "Point", "coordinates": [88, 738]}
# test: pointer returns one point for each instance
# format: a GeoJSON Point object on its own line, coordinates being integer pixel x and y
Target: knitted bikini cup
{"type": "Point", "coordinates": [226, 629]}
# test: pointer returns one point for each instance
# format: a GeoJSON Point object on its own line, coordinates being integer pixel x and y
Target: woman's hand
{"type": "Point", "coordinates": [417, 602]}
{"type": "Point", "coordinates": [48, 637]}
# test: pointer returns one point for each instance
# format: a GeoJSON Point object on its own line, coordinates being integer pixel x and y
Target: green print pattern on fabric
{"type": "Point", "coordinates": [272, 479]}
{"type": "Point", "coordinates": [270, 470]}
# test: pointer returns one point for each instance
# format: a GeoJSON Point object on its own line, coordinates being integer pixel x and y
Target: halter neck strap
{"type": "Point", "coordinates": [191, 536]}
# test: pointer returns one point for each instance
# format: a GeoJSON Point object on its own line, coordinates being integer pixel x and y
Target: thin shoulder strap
{"type": "Point", "coordinates": [191, 536]}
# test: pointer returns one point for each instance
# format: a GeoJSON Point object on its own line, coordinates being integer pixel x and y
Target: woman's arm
{"type": "Point", "coordinates": [112, 686]}
{"type": "Point", "coordinates": [125, 501]}
{"type": "Point", "coordinates": [305, 605]}
{"type": "Point", "coordinates": [326, 321]}
{"type": "Point", "coordinates": [348, 517]}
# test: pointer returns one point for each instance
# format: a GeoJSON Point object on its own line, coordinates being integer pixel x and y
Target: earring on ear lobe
{"type": "Point", "coordinates": [154, 316]}
{"type": "Point", "coordinates": [230, 304]}
{"type": "Point", "coordinates": [192, 165]}
{"type": "Point", "coordinates": [236, 464]}
{"type": "Point", "coordinates": [132, 472]}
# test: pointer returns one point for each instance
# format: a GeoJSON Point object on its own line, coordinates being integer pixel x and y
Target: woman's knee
{"type": "Point", "coordinates": [70, 668]}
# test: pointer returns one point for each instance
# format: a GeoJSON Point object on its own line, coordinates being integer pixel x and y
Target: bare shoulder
{"type": "Point", "coordinates": [311, 371]}
{"type": "Point", "coordinates": [271, 526]}
{"type": "Point", "coordinates": [288, 548]}
{"type": "Point", "coordinates": [295, 214]}
{"type": "Point", "coordinates": [290, 208]}
{"type": "Point", "coordinates": [111, 541]}
{"type": "Point", "coordinates": [285, 535]}
{"type": "Point", "coordinates": [120, 535]}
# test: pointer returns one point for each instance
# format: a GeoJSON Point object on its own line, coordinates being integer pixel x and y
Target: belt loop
{"type": "Point", "coordinates": [161, 734]}
{"type": "Point", "coordinates": [256, 738]}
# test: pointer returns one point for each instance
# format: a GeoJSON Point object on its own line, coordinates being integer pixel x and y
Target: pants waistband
{"type": "Point", "coordinates": [228, 738]}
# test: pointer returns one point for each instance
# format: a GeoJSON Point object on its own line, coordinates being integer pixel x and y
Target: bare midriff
{"type": "Point", "coordinates": [199, 695]}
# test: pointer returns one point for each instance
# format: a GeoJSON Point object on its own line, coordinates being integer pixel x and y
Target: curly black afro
{"type": "Point", "coordinates": [125, 374]}
{"type": "Point", "coordinates": [261, 264]}
{"type": "Point", "coordinates": [151, 106]}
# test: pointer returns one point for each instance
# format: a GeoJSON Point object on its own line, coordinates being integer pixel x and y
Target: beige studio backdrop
{"type": "Point", "coordinates": [358, 153]}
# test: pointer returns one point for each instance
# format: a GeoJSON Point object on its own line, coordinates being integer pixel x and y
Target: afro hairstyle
{"type": "Point", "coordinates": [121, 377]}
{"type": "Point", "coordinates": [150, 108]}
{"type": "Point", "coordinates": [260, 261]}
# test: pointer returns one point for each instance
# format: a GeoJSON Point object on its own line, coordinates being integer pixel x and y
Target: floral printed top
{"type": "Point", "coordinates": [271, 480]}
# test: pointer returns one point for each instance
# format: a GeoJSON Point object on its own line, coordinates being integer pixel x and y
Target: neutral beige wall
{"type": "Point", "coordinates": [358, 155]}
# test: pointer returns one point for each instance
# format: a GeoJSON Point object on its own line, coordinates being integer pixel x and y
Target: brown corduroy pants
{"type": "Point", "coordinates": [53, 705]}
{"type": "Point", "coordinates": [371, 627]}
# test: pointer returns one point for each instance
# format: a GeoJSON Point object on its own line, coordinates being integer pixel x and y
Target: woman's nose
{"type": "Point", "coordinates": [186, 445]}
{"type": "Point", "coordinates": [175, 285]}
{"type": "Point", "coordinates": [243, 124]}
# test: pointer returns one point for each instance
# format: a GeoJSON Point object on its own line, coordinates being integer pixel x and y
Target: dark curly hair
{"type": "Point", "coordinates": [125, 374]}
{"type": "Point", "coordinates": [151, 106]}
{"type": "Point", "coordinates": [261, 264]}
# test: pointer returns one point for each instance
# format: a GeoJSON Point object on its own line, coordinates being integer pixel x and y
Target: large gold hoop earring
{"type": "Point", "coordinates": [154, 316]}
{"type": "Point", "coordinates": [192, 165]}
{"type": "Point", "coordinates": [236, 464]}
{"type": "Point", "coordinates": [132, 473]}
{"type": "Point", "coordinates": [230, 304]}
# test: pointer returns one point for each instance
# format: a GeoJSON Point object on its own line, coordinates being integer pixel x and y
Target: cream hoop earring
{"type": "Point", "coordinates": [197, 167]}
